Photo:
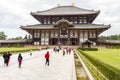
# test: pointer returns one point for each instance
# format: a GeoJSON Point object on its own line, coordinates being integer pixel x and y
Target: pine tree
{"type": "Point", "coordinates": [2, 36]}
{"type": "Point", "coordinates": [25, 37]}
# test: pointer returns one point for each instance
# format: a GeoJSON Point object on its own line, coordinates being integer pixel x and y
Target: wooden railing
{"type": "Point", "coordinates": [94, 71]}
{"type": "Point", "coordinates": [90, 77]}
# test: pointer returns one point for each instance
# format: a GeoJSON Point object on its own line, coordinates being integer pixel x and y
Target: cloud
{"type": "Point", "coordinates": [17, 12]}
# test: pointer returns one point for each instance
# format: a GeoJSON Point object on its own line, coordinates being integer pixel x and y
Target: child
{"type": "Point", "coordinates": [30, 52]}
{"type": "Point", "coordinates": [20, 60]}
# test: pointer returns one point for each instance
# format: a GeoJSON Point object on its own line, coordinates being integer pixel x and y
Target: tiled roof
{"type": "Point", "coordinates": [12, 41]}
{"type": "Point", "coordinates": [76, 26]}
{"type": "Point", "coordinates": [88, 41]}
{"type": "Point", "coordinates": [65, 10]}
{"type": "Point", "coordinates": [113, 41]}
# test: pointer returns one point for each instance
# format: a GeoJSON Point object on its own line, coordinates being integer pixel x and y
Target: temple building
{"type": "Point", "coordinates": [65, 25]}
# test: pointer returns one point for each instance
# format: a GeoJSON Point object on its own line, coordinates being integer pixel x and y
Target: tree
{"type": "Point", "coordinates": [2, 36]}
{"type": "Point", "coordinates": [25, 37]}
{"type": "Point", "coordinates": [16, 38]}
{"type": "Point", "coordinates": [111, 37]}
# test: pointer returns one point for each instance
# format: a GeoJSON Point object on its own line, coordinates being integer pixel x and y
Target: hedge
{"type": "Point", "coordinates": [110, 72]}
{"type": "Point", "coordinates": [88, 49]}
{"type": "Point", "coordinates": [19, 51]}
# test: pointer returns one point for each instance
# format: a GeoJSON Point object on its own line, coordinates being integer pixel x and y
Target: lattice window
{"type": "Point", "coordinates": [36, 34]}
{"type": "Point", "coordinates": [36, 43]}
{"type": "Point", "coordinates": [42, 33]}
{"type": "Point", "coordinates": [75, 19]}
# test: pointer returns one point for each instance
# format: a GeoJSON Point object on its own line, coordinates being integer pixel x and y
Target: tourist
{"type": "Point", "coordinates": [54, 49]}
{"type": "Point", "coordinates": [5, 58]}
{"type": "Point", "coordinates": [8, 58]}
{"type": "Point", "coordinates": [59, 47]}
{"type": "Point", "coordinates": [63, 52]}
{"type": "Point", "coordinates": [74, 52]}
{"type": "Point", "coordinates": [57, 50]}
{"type": "Point", "coordinates": [69, 51]}
{"type": "Point", "coordinates": [47, 56]}
{"type": "Point", "coordinates": [30, 52]}
{"type": "Point", "coordinates": [20, 60]}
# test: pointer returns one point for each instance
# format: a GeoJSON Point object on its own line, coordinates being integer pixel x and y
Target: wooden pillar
{"type": "Point", "coordinates": [82, 19]}
{"type": "Point", "coordinates": [68, 37]}
{"type": "Point", "coordinates": [78, 37]}
{"type": "Point", "coordinates": [50, 20]}
{"type": "Point", "coordinates": [88, 34]}
{"type": "Point", "coordinates": [58, 35]}
{"type": "Point", "coordinates": [46, 20]}
{"type": "Point", "coordinates": [44, 35]}
{"type": "Point", "coordinates": [87, 19]}
{"type": "Point", "coordinates": [42, 20]}
{"type": "Point", "coordinates": [83, 35]}
{"type": "Point", "coordinates": [96, 33]}
{"type": "Point", "coordinates": [49, 37]}
{"type": "Point", "coordinates": [73, 19]}
{"type": "Point", "coordinates": [40, 37]}
{"type": "Point", "coordinates": [32, 36]}
{"type": "Point", "coordinates": [78, 20]}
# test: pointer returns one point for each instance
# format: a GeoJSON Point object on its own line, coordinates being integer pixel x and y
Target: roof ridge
{"type": "Point", "coordinates": [65, 6]}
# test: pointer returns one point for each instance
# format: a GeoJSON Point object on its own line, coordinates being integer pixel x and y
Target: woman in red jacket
{"type": "Point", "coordinates": [47, 56]}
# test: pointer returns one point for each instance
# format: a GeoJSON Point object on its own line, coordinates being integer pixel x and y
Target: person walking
{"type": "Point", "coordinates": [69, 50]}
{"type": "Point", "coordinates": [5, 58]}
{"type": "Point", "coordinates": [30, 52]}
{"type": "Point", "coordinates": [20, 60]}
{"type": "Point", "coordinates": [47, 56]}
{"type": "Point", "coordinates": [63, 52]}
{"type": "Point", "coordinates": [8, 57]}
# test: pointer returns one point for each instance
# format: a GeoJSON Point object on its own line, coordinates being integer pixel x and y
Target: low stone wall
{"type": "Point", "coordinates": [50, 46]}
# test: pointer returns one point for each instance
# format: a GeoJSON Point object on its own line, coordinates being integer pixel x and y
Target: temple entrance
{"type": "Point", "coordinates": [73, 41]}
{"type": "Point", "coordinates": [63, 26]}
{"type": "Point", "coordinates": [54, 41]}
{"type": "Point", "coordinates": [63, 41]}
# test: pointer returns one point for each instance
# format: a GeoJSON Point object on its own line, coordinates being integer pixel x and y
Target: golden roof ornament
{"type": "Point", "coordinates": [58, 5]}
{"type": "Point", "coordinates": [73, 4]}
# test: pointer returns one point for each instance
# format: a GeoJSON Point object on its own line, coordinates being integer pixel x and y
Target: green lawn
{"type": "Point", "coordinates": [2, 50]}
{"type": "Point", "coordinates": [108, 56]}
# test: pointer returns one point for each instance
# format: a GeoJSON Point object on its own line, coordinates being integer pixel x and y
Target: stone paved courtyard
{"type": "Point", "coordinates": [33, 67]}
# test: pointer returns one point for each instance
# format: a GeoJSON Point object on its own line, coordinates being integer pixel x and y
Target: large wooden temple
{"type": "Point", "coordinates": [64, 25]}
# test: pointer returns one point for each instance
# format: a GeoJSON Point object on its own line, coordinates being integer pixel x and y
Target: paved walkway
{"type": "Point", "coordinates": [33, 67]}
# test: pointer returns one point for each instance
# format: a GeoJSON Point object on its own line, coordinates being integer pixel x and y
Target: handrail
{"type": "Point", "coordinates": [74, 77]}
{"type": "Point", "coordinates": [85, 68]}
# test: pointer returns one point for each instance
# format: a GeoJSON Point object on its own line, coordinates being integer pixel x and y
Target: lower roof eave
{"type": "Point", "coordinates": [57, 28]}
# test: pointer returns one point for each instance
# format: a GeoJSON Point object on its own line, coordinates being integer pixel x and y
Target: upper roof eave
{"type": "Point", "coordinates": [65, 10]}
{"type": "Point", "coordinates": [35, 14]}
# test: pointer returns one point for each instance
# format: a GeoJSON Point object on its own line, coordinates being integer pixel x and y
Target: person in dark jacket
{"type": "Point", "coordinates": [8, 58]}
{"type": "Point", "coordinates": [30, 52]}
{"type": "Point", "coordinates": [47, 56]}
{"type": "Point", "coordinates": [20, 60]}
{"type": "Point", "coordinates": [5, 58]}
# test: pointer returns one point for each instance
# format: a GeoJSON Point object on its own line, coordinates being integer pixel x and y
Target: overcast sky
{"type": "Point", "coordinates": [14, 13]}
